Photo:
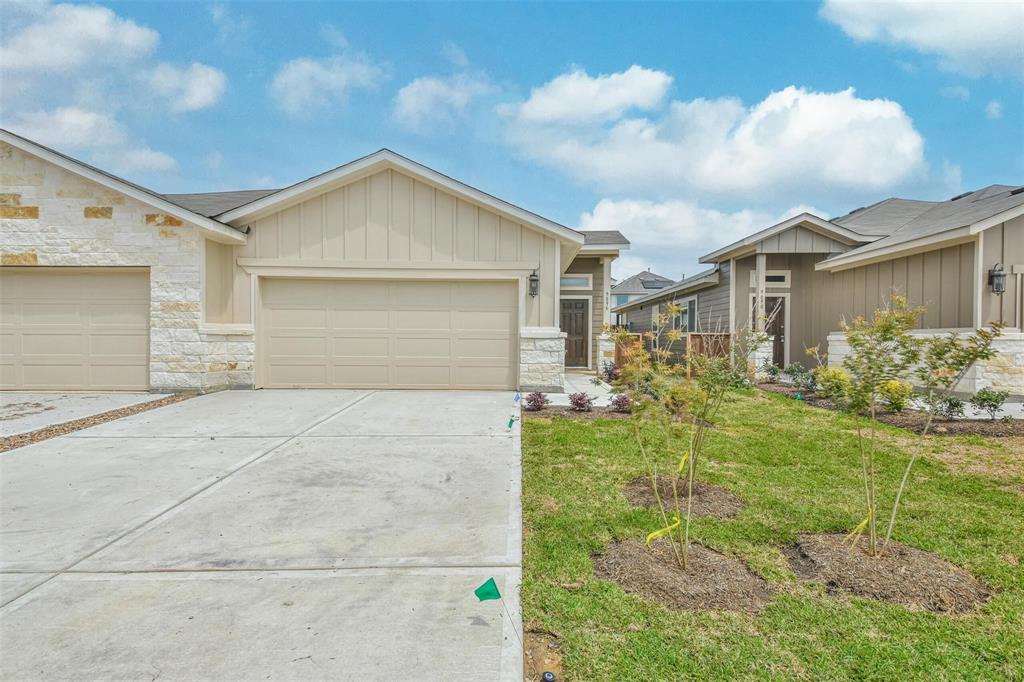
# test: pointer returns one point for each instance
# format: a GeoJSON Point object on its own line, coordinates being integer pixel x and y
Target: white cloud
{"type": "Point", "coordinates": [232, 28]}
{"type": "Point", "coordinates": [59, 37]}
{"type": "Point", "coordinates": [578, 97]}
{"type": "Point", "coordinates": [194, 87]}
{"type": "Point", "coordinates": [76, 129]}
{"type": "Point", "coordinates": [969, 37]}
{"type": "Point", "coordinates": [304, 86]}
{"type": "Point", "coordinates": [994, 109]}
{"type": "Point", "coordinates": [334, 36]}
{"type": "Point", "coordinates": [796, 144]}
{"type": "Point", "coordinates": [437, 101]}
{"type": "Point", "coordinates": [455, 54]}
{"type": "Point", "coordinates": [669, 237]}
{"type": "Point", "coordinates": [959, 92]}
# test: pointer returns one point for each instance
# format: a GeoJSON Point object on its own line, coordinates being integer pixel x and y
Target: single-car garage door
{"type": "Point", "coordinates": [388, 334]}
{"type": "Point", "coordinates": [74, 329]}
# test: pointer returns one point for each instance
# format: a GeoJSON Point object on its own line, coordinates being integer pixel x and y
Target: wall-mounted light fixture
{"type": "Point", "coordinates": [534, 284]}
{"type": "Point", "coordinates": [997, 279]}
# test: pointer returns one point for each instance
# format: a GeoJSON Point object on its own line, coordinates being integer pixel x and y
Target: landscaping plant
{"type": "Point", "coordinates": [620, 402]}
{"type": "Point", "coordinates": [882, 350]}
{"type": "Point", "coordinates": [610, 372]}
{"type": "Point", "coordinates": [989, 400]}
{"type": "Point", "coordinates": [950, 408]}
{"type": "Point", "coordinates": [536, 401]}
{"type": "Point", "coordinates": [580, 402]}
{"type": "Point", "coordinates": [896, 394]}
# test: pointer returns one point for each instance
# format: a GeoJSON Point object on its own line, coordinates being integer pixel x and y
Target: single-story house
{"type": "Point", "coordinates": [637, 286]}
{"type": "Point", "coordinates": [381, 273]}
{"type": "Point", "coordinates": [963, 259]}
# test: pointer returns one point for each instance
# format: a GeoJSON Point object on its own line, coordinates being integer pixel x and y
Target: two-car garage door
{"type": "Point", "coordinates": [388, 334]}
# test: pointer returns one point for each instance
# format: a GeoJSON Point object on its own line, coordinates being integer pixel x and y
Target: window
{"type": "Point", "coordinates": [686, 320]}
{"type": "Point", "coordinates": [772, 278]}
{"type": "Point", "coordinates": [579, 282]}
{"type": "Point", "coordinates": [621, 299]}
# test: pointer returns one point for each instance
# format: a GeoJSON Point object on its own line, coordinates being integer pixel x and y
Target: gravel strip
{"type": "Point", "coordinates": [23, 439]}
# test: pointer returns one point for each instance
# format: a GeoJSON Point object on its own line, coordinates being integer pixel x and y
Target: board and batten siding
{"type": "Point", "coordinates": [1003, 244]}
{"type": "Point", "coordinates": [713, 305]}
{"type": "Point", "coordinates": [385, 220]}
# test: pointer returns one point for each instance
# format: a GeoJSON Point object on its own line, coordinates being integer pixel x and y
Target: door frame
{"type": "Point", "coordinates": [590, 324]}
{"type": "Point", "coordinates": [785, 318]}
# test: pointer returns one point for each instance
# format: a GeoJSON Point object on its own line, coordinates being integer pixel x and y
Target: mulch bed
{"type": "Point", "coordinates": [568, 413]}
{"type": "Point", "coordinates": [713, 581]}
{"type": "Point", "coordinates": [914, 420]}
{"type": "Point", "coordinates": [902, 575]}
{"type": "Point", "coordinates": [708, 500]}
{"type": "Point", "coordinates": [23, 439]}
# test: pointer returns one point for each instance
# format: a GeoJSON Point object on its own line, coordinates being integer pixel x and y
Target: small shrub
{"type": "Point", "coordinates": [580, 402]}
{"type": "Point", "coordinates": [895, 394]}
{"type": "Point", "coordinates": [800, 376]}
{"type": "Point", "coordinates": [610, 372]}
{"type": "Point", "coordinates": [621, 402]}
{"type": "Point", "coordinates": [988, 400]}
{"type": "Point", "coordinates": [536, 401]}
{"type": "Point", "coordinates": [834, 383]}
{"type": "Point", "coordinates": [950, 407]}
{"type": "Point", "coordinates": [771, 371]}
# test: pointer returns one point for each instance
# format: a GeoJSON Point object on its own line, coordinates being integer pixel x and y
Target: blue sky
{"type": "Point", "coordinates": [684, 125]}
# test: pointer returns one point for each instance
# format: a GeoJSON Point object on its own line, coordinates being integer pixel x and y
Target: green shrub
{"type": "Point", "coordinates": [988, 400]}
{"type": "Point", "coordinates": [950, 407]}
{"type": "Point", "coordinates": [834, 383]}
{"type": "Point", "coordinates": [895, 395]}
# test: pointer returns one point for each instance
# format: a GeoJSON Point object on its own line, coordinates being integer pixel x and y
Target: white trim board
{"type": "Point", "coordinates": [590, 325]}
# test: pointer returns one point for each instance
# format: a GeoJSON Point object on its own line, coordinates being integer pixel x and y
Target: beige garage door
{"type": "Point", "coordinates": [74, 329]}
{"type": "Point", "coordinates": [386, 334]}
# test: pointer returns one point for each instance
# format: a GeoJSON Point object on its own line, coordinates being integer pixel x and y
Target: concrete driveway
{"type": "Point", "coordinates": [267, 534]}
{"type": "Point", "coordinates": [22, 412]}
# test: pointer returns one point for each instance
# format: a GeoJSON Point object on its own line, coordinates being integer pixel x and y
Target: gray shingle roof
{"type": "Point", "coordinates": [642, 283]}
{"type": "Point", "coordinates": [702, 279]}
{"type": "Point", "coordinates": [602, 237]}
{"type": "Point", "coordinates": [210, 204]}
{"type": "Point", "coordinates": [942, 216]}
{"type": "Point", "coordinates": [885, 217]}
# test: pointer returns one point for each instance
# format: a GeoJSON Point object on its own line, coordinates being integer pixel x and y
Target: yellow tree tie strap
{"type": "Point", "coordinates": [661, 532]}
{"type": "Point", "coordinates": [682, 462]}
{"type": "Point", "coordinates": [856, 532]}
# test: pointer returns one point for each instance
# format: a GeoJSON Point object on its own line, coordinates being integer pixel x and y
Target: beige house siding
{"type": "Point", "coordinates": [593, 266]}
{"type": "Point", "coordinates": [800, 239]}
{"type": "Point", "coordinates": [391, 220]}
{"type": "Point", "coordinates": [713, 305]}
{"type": "Point", "coordinates": [1004, 244]}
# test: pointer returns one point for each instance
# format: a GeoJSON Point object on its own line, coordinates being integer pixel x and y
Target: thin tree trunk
{"type": "Point", "coordinates": [906, 473]}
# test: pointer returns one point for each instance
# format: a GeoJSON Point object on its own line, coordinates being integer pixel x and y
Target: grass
{"type": "Point", "coordinates": [796, 468]}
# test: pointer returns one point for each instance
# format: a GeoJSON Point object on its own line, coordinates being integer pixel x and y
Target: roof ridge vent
{"type": "Point", "coordinates": [961, 196]}
{"type": "Point", "coordinates": [1017, 191]}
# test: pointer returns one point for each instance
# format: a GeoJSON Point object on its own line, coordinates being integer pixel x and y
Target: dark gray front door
{"type": "Point", "coordinates": [574, 324]}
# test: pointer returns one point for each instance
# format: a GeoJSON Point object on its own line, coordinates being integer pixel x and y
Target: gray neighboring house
{"type": "Point", "coordinates": [380, 273]}
{"type": "Point", "coordinates": [637, 286]}
{"type": "Point", "coordinates": [962, 258]}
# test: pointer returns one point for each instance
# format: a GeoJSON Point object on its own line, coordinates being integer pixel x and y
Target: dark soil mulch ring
{"type": "Point", "coordinates": [708, 500]}
{"type": "Point", "coordinates": [902, 575]}
{"type": "Point", "coordinates": [568, 413]}
{"type": "Point", "coordinates": [914, 420]}
{"type": "Point", "coordinates": [541, 654]}
{"type": "Point", "coordinates": [713, 581]}
{"type": "Point", "coordinates": [23, 439]}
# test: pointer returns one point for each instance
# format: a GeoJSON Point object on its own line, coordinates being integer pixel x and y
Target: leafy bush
{"type": "Point", "coordinates": [950, 407]}
{"type": "Point", "coordinates": [771, 370]}
{"type": "Point", "coordinates": [621, 402]}
{"type": "Point", "coordinates": [895, 394]}
{"type": "Point", "coordinates": [536, 401]}
{"type": "Point", "coordinates": [988, 400]}
{"type": "Point", "coordinates": [580, 402]}
{"type": "Point", "coordinates": [610, 372]}
{"type": "Point", "coordinates": [800, 376]}
{"type": "Point", "coordinates": [834, 383]}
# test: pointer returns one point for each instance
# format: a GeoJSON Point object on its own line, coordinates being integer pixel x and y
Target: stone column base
{"type": "Point", "coordinates": [542, 359]}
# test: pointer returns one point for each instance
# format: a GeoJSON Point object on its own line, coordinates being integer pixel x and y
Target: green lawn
{"type": "Point", "coordinates": [796, 469]}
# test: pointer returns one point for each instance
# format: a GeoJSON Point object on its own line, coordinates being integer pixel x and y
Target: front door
{"type": "Point", "coordinates": [574, 324]}
{"type": "Point", "coordinates": [775, 309]}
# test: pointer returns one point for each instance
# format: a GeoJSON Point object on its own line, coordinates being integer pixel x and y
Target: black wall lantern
{"type": "Point", "coordinates": [534, 283]}
{"type": "Point", "coordinates": [997, 279]}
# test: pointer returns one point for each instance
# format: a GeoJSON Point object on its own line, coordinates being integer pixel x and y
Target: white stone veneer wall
{"type": "Point", "coordinates": [51, 217]}
{"type": "Point", "coordinates": [1005, 372]}
{"type": "Point", "coordinates": [605, 351]}
{"type": "Point", "coordinates": [542, 359]}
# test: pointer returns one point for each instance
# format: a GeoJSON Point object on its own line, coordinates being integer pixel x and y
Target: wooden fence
{"type": "Point", "coordinates": [715, 345]}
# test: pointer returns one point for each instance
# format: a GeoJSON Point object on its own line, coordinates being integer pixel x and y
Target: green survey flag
{"type": "Point", "coordinates": [487, 591]}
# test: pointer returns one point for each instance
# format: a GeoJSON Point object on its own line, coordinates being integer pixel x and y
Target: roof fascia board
{"type": "Point", "coordinates": [604, 248]}
{"type": "Point", "coordinates": [215, 230]}
{"type": "Point", "coordinates": [387, 159]}
{"type": "Point", "coordinates": [808, 220]}
{"type": "Point", "coordinates": [702, 283]}
{"type": "Point", "coordinates": [997, 219]}
{"type": "Point", "coordinates": [852, 259]}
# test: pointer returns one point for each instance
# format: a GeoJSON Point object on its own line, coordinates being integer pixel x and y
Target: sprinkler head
{"type": "Point", "coordinates": [548, 677]}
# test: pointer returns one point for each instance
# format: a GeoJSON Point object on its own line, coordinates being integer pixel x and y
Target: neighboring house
{"type": "Point", "coordinates": [639, 285]}
{"type": "Point", "coordinates": [806, 273]}
{"type": "Point", "coordinates": [381, 273]}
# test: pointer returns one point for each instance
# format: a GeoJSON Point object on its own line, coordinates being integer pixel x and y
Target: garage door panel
{"type": "Point", "coordinates": [297, 346]}
{"type": "Point", "coordinates": [405, 335]}
{"type": "Point", "coordinates": [310, 318]}
{"type": "Point", "coordinates": [288, 374]}
{"type": "Point", "coordinates": [74, 329]}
